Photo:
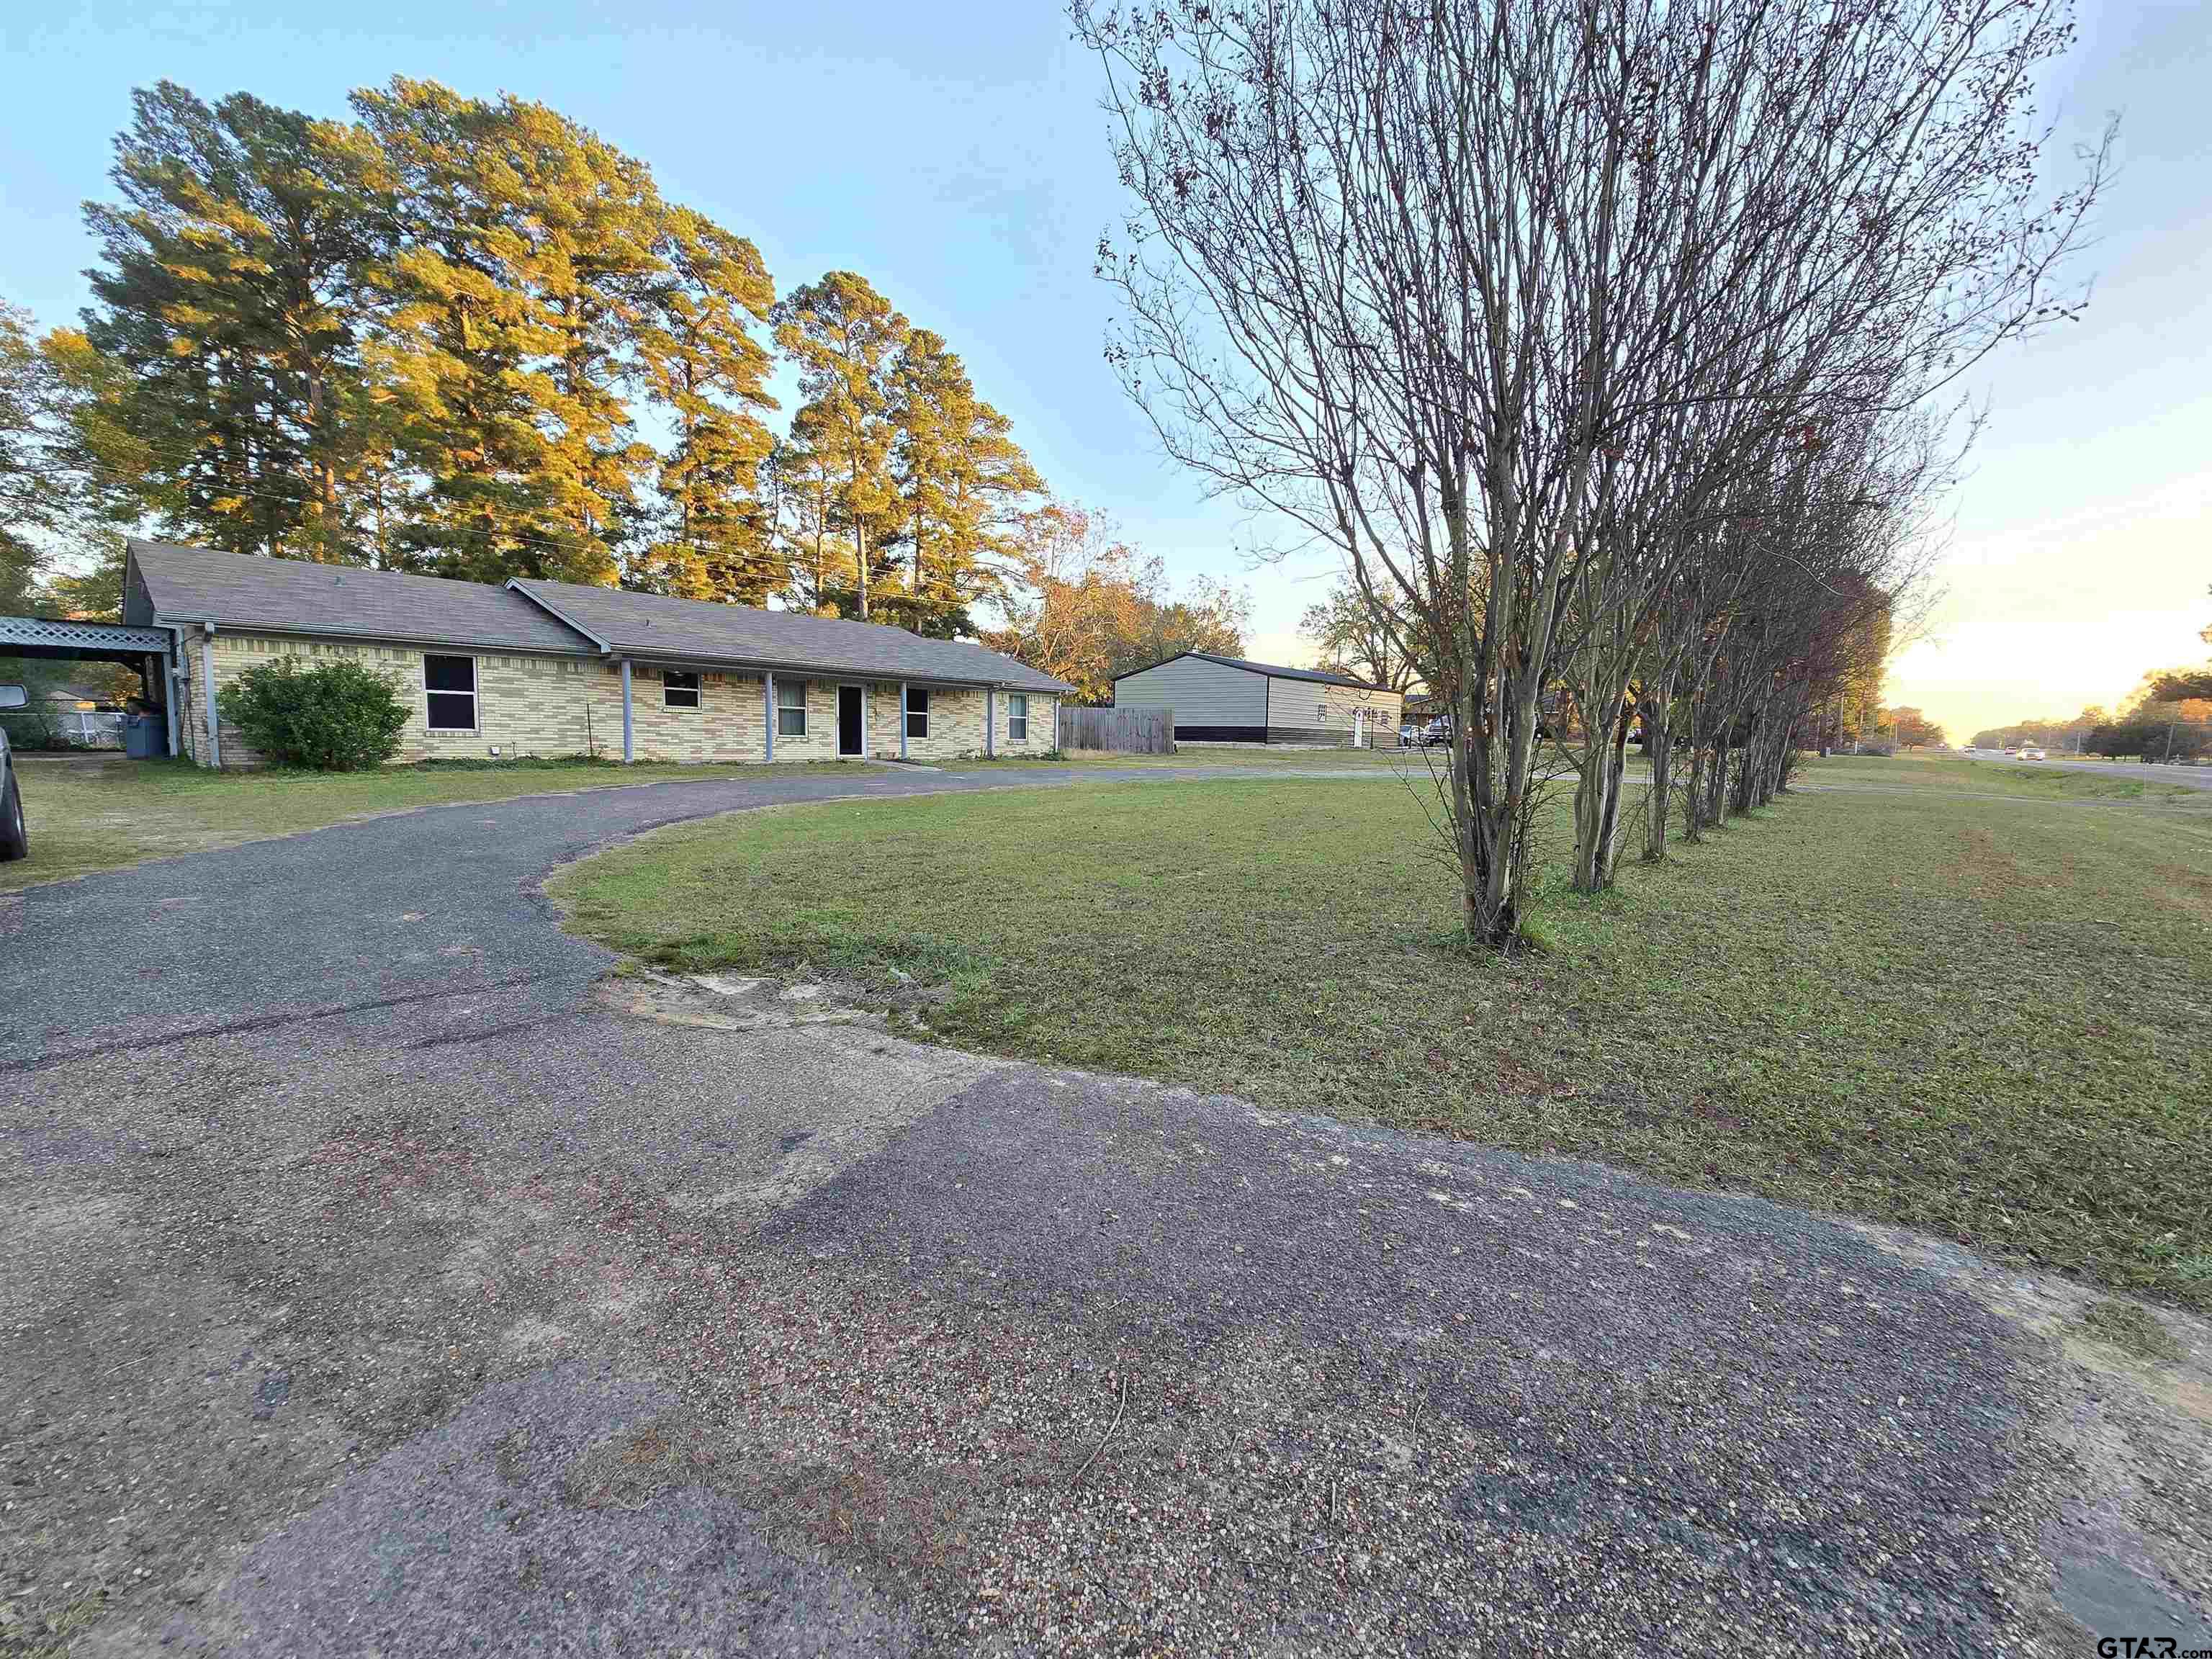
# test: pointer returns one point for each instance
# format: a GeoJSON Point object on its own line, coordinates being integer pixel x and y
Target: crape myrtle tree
{"type": "Point", "coordinates": [1809, 560]}
{"type": "Point", "coordinates": [1426, 278]}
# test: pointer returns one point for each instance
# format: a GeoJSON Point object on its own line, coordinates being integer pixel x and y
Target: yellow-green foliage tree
{"type": "Point", "coordinates": [1083, 605]}
{"type": "Point", "coordinates": [845, 339]}
{"type": "Point", "coordinates": [443, 337]}
{"type": "Point", "coordinates": [520, 249]}
{"type": "Point", "coordinates": [963, 484]}
{"type": "Point", "coordinates": [228, 295]}
{"type": "Point", "coordinates": [704, 366]}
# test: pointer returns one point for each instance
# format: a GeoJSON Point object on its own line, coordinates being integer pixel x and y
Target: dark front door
{"type": "Point", "coordinates": [849, 719]}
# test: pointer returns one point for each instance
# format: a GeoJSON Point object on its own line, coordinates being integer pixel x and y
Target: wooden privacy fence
{"type": "Point", "coordinates": [1119, 730]}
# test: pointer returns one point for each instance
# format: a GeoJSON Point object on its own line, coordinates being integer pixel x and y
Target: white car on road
{"type": "Point", "coordinates": [2032, 754]}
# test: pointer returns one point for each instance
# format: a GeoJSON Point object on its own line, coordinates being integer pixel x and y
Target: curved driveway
{"type": "Point", "coordinates": [384, 1277]}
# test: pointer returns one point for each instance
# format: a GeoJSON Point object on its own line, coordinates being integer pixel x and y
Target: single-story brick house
{"type": "Point", "coordinates": [1219, 699]}
{"type": "Point", "coordinates": [553, 668]}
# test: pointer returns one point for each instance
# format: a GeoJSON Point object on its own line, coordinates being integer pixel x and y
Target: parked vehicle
{"type": "Point", "coordinates": [2032, 754]}
{"type": "Point", "coordinates": [14, 834]}
{"type": "Point", "coordinates": [1409, 736]}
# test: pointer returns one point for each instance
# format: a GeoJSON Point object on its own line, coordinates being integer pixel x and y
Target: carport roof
{"type": "Point", "coordinates": [61, 636]}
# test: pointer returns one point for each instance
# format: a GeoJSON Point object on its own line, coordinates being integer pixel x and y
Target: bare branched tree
{"type": "Point", "coordinates": [1514, 303]}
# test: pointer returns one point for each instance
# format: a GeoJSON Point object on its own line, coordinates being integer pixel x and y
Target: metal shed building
{"type": "Point", "coordinates": [1219, 699]}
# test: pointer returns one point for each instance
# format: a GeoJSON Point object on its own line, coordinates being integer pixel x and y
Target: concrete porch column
{"type": "Point", "coordinates": [627, 753]}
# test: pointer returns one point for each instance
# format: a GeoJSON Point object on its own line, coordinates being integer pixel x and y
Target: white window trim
{"type": "Point", "coordinates": [805, 687]}
{"type": "Point", "coordinates": [697, 688]}
{"type": "Point", "coordinates": [474, 694]}
{"type": "Point", "coordinates": [1018, 717]}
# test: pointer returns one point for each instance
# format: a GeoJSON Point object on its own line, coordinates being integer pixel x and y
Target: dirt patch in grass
{"type": "Point", "coordinates": [2132, 1329]}
{"type": "Point", "coordinates": [1983, 1019]}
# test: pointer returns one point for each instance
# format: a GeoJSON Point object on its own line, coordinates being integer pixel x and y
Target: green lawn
{"type": "Point", "coordinates": [2027, 780]}
{"type": "Point", "coordinates": [1256, 759]}
{"type": "Point", "coordinates": [97, 812]}
{"type": "Point", "coordinates": [1984, 1011]}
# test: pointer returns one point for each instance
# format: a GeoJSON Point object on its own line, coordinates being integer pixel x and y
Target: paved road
{"type": "Point", "coordinates": [384, 1277]}
{"type": "Point", "coordinates": [2187, 777]}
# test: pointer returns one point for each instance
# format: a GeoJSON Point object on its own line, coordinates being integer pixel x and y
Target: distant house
{"type": "Point", "coordinates": [85, 715]}
{"type": "Point", "coordinates": [81, 716]}
{"type": "Point", "coordinates": [554, 668]}
{"type": "Point", "coordinates": [1219, 699]}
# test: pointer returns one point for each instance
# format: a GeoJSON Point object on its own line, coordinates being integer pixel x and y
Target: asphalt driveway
{"type": "Point", "coordinates": [382, 1276]}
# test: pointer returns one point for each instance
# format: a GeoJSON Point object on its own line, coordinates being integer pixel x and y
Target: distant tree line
{"type": "Point", "coordinates": [469, 337]}
{"type": "Point", "coordinates": [2168, 716]}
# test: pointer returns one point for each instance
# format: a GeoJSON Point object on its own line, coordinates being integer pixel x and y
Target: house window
{"type": "Point", "coordinates": [791, 709]}
{"type": "Point", "coordinates": [450, 686]}
{"type": "Point", "coordinates": [679, 689]}
{"type": "Point", "coordinates": [917, 712]}
{"type": "Point", "coordinates": [1017, 718]}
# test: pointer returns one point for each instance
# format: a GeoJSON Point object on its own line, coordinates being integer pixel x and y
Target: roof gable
{"type": "Point", "coordinates": [1272, 671]}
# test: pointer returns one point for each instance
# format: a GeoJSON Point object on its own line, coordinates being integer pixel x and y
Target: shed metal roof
{"type": "Point", "coordinates": [1272, 671]}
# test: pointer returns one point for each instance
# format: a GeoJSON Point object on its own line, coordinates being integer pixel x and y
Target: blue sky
{"type": "Point", "coordinates": [958, 159]}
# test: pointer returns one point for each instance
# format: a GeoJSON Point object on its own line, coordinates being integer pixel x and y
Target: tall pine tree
{"type": "Point", "coordinates": [845, 338]}
{"type": "Point", "coordinates": [963, 485]}
{"type": "Point", "coordinates": [520, 259]}
{"type": "Point", "coordinates": [229, 292]}
{"type": "Point", "coordinates": [701, 362]}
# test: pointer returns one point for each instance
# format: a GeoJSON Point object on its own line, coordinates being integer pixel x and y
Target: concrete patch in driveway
{"type": "Point", "coordinates": [2131, 1535]}
{"type": "Point", "coordinates": [479, 1534]}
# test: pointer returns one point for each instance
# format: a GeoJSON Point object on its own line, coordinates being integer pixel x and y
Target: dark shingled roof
{"type": "Point", "coordinates": [652, 626]}
{"type": "Point", "coordinates": [1272, 671]}
{"type": "Point", "coordinates": [291, 596]}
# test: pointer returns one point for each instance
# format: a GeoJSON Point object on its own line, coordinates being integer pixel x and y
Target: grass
{"type": "Point", "coordinates": [2128, 1327]}
{"type": "Point", "coordinates": [91, 813]}
{"type": "Point", "coordinates": [1257, 759]}
{"type": "Point", "coordinates": [1979, 1013]}
{"type": "Point", "coordinates": [2027, 780]}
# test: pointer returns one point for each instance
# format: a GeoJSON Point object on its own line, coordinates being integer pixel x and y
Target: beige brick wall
{"type": "Point", "coordinates": [955, 727]}
{"type": "Point", "coordinates": [1043, 723]}
{"type": "Point", "coordinates": [545, 706]}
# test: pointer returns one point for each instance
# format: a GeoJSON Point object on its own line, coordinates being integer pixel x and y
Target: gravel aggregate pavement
{"type": "Point", "coordinates": [383, 1275]}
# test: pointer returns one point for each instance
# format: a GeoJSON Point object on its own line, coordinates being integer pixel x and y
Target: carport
{"type": "Point", "coordinates": [151, 651]}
